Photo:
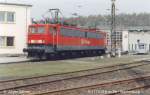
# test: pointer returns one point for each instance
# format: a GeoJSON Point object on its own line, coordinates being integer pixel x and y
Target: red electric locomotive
{"type": "Point", "coordinates": [47, 39]}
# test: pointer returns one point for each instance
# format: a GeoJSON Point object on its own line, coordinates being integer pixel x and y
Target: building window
{"type": "Point", "coordinates": [2, 41]}
{"type": "Point", "coordinates": [7, 17]}
{"type": "Point", "coordinates": [10, 41]}
{"type": "Point", "coordinates": [6, 41]}
{"type": "Point", "coordinates": [2, 16]}
{"type": "Point", "coordinates": [10, 16]}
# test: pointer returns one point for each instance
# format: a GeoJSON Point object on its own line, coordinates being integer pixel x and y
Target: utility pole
{"type": "Point", "coordinates": [113, 28]}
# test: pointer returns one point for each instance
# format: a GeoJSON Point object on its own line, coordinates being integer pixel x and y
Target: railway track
{"type": "Point", "coordinates": [25, 83]}
{"type": "Point", "coordinates": [106, 88]}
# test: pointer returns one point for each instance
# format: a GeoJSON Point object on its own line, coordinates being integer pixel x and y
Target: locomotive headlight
{"type": "Point", "coordinates": [40, 41]}
{"type": "Point", "coordinates": [37, 41]}
{"type": "Point", "coordinates": [32, 41]}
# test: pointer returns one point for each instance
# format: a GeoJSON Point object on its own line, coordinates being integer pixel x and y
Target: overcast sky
{"type": "Point", "coordinates": [85, 7]}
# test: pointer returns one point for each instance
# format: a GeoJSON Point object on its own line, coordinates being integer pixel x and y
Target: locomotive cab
{"type": "Point", "coordinates": [41, 40]}
{"type": "Point", "coordinates": [36, 35]}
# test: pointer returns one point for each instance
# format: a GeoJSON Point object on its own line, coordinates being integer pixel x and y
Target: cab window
{"type": "Point", "coordinates": [34, 30]}
{"type": "Point", "coordinates": [40, 30]}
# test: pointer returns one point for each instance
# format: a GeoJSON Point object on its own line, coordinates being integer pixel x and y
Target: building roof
{"type": "Point", "coordinates": [16, 4]}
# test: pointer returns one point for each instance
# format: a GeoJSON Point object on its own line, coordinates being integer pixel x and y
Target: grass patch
{"type": "Point", "coordinates": [45, 68]}
{"type": "Point", "coordinates": [54, 67]}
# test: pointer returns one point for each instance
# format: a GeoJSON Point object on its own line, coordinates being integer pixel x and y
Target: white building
{"type": "Point", "coordinates": [138, 37]}
{"type": "Point", "coordinates": [14, 21]}
{"type": "Point", "coordinates": [130, 40]}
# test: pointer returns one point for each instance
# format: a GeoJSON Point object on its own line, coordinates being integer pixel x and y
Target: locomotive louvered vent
{"type": "Point", "coordinates": [77, 33]}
